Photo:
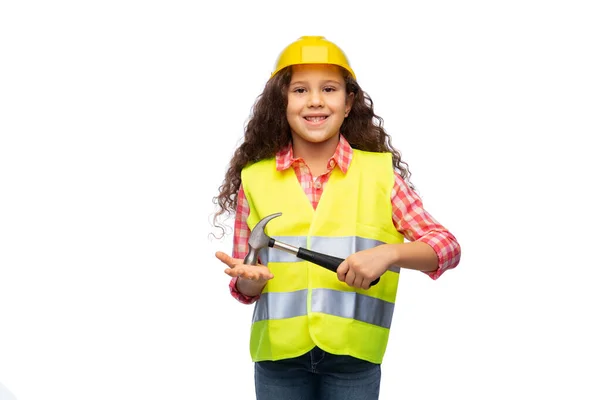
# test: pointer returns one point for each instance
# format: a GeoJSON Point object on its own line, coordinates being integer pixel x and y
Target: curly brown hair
{"type": "Point", "coordinates": [267, 132]}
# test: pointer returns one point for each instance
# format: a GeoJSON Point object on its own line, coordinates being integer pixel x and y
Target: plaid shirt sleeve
{"type": "Point", "coordinates": [416, 224]}
{"type": "Point", "coordinates": [241, 233]}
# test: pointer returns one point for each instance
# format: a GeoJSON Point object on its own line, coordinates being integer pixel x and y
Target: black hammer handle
{"type": "Point", "coordinates": [329, 262]}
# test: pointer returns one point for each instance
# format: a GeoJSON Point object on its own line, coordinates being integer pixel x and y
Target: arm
{"type": "Point", "coordinates": [363, 267]}
{"type": "Point", "coordinates": [423, 232]}
{"type": "Point", "coordinates": [246, 291]}
{"type": "Point", "coordinates": [413, 255]}
{"type": "Point", "coordinates": [431, 249]}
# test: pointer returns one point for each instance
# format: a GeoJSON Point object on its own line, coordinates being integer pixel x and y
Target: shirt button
{"type": "Point", "coordinates": [331, 163]}
{"type": "Point", "coordinates": [318, 185]}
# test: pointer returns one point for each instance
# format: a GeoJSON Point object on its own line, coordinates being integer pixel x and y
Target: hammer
{"type": "Point", "coordinates": [259, 240]}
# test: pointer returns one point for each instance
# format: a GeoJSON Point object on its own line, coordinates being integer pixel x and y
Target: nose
{"type": "Point", "coordinates": [315, 99]}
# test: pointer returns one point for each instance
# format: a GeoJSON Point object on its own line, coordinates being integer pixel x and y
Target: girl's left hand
{"type": "Point", "coordinates": [363, 267]}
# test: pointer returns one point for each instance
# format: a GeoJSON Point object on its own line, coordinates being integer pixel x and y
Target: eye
{"type": "Point", "coordinates": [299, 90]}
{"type": "Point", "coordinates": [329, 89]}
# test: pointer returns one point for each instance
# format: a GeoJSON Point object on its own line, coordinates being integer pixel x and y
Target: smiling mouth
{"type": "Point", "coordinates": [315, 119]}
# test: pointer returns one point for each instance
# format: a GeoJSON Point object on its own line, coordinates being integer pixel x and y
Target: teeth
{"type": "Point", "coordinates": [315, 119]}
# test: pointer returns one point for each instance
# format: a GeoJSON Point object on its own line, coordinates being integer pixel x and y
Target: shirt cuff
{"type": "Point", "coordinates": [447, 250]}
{"type": "Point", "coordinates": [435, 274]}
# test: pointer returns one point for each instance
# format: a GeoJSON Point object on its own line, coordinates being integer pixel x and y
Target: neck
{"type": "Point", "coordinates": [316, 155]}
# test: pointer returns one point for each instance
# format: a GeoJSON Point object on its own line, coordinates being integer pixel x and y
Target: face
{"type": "Point", "coordinates": [317, 103]}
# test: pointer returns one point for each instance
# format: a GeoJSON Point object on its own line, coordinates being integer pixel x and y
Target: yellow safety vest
{"type": "Point", "coordinates": [305, 304]}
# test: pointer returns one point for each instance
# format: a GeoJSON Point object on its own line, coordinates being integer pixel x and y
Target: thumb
{"type": "Point", "coordinates": [224, 258]}
{"type": "Point", "coordinates": [342, 270]}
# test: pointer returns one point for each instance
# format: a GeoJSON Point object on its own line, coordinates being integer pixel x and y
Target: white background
{"type": "Point", "coordinates": [118, 119]}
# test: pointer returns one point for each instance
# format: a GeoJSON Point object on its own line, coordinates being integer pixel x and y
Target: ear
{"type": "Point", "coordinates": [349, 103]}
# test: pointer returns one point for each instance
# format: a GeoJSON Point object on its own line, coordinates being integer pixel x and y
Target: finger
{"type": "Point", "coordinates": [366, 284]}
{"type": "Point", "coordinates": [350, 277]}
{"type": "Point", "coordinates": [358, 282]}
{"type": "Point", "coordinates": [250, 272]}
{"type": "Point", "coordinates": [232, 272]}
{"type": "Point", "coordinates": [251, 275]}
{"type": "Point", "coordinates": [269, 275]}
{"type": "Point", "coordinates": [244, 273]}
{"type": "Point", "coordinates": [225, 258]}
{"type": "Point", "coordinates": [264, 273]}
{"type": "Point", "coordinates": [342, 270]}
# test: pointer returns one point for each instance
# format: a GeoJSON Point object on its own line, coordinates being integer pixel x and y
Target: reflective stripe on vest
{"type": "Point", "coordinates": [333, 246]}
{"type": "Point", "coordinates": [280, 305]}
{"type": "Point", "coordinates": [363, 308]}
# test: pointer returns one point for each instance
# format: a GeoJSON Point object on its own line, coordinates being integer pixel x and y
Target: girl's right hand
{"type": "Point", "coordinates": [237, 268]}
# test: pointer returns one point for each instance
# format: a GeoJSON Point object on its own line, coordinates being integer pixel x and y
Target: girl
{"type": "Point", "coordinates": [315, 151]}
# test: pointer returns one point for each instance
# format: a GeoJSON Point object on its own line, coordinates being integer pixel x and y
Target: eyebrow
{"type": "Point", "coordinates": [328, 81]}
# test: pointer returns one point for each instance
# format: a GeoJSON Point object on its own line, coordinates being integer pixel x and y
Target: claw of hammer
{"type": "Point", "coordinates": [258, 239]}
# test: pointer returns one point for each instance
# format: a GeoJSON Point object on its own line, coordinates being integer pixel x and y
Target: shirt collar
{"type": "Point", "coordinates": [341, 157]}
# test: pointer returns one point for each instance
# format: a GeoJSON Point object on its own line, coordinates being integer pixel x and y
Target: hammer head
{"type": "Point", "coordinates": [258, 239]}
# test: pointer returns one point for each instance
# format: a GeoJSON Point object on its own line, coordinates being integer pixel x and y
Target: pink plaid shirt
{"type": "Point", "coordinates": [409, 216]}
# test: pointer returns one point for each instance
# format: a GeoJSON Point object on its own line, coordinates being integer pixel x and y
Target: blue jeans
{"type": "Point", "coordinates": [317, 375]}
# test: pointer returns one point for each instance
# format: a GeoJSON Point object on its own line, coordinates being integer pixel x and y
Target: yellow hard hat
{"type": "Point", "coordinates": [312, 50]}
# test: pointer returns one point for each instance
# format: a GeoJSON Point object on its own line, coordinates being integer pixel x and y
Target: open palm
{"type": "Point", "coordinates": [236, 267]}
